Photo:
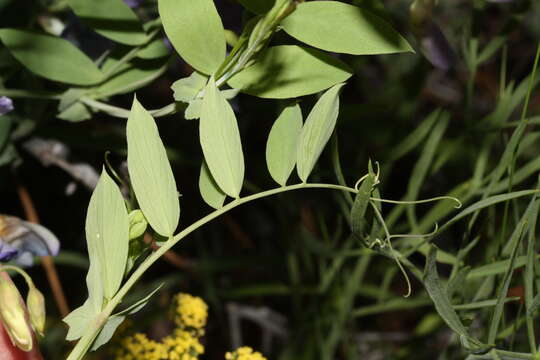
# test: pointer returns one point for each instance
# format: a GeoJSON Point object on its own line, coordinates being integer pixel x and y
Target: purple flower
{"type": "Point", "coordinates": [6, 105]}
{"type": "Point", "coordinates": [436, 47]}
{"type": "Point", "coordinates": [133, 3]}
{"type": "Point", "coordinates": [21, 241]}
{"type": "Point", "coordinates": [7, 252]}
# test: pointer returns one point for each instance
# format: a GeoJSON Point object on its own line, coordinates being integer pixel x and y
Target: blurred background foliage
{"type": "Point", "coordinates": [275, 273]}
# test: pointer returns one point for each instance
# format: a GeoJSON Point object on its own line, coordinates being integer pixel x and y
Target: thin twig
{"type": "Point", "coordinates": [171, 256]}
{"type": "Point", "coordinates": [46, 261]}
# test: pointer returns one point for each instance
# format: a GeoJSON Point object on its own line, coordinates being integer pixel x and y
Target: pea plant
{"type": "Point", "coordinates": [121, 211]}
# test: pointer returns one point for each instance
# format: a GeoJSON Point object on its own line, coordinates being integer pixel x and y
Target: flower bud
{"type": "Point", "coordinates": [137, 224]}
{"type": "Point", "coordinates": [35, 302]}
{"type": "Point", "coordinates": [13, 314]}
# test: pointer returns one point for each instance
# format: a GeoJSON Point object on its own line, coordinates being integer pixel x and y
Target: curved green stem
{"type": "Point", "coordinates": [85, 342]}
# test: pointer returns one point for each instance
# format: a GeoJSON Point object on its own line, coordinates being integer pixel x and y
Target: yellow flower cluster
{"type": "Point", "coordinates": [190, 312]}
{"type": "Point", "coordinates": [190, 315]}
{"type": "Point", "coordinates": [181, 345]}
{"type": "Point", "coordinates": [244, 353]}
{"type": "Point", "coordinates": [136, 347]}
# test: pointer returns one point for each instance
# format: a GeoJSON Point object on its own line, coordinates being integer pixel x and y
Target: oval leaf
{"type": "Point", "coordinates": [288, 71]}
{"type": "Point", "coordinates": [317, 130]}
{"type": "Point", "coordinates": [51, 57]}
{"type": "Point", "coordinates": [210, 191]}
{"type": "Point", "coordinates": [107, 233]}
{"type": "Point", "coordinates": [282, 144]}
{"type": "Point", "coordinates": [339, 27]}
{"type": "Point", "coordinates": [112, 19]}
{"type": "Point", "coordinates": [220, 141]}
{"type": "Point", "coordinates": [196, 32]}
{"type": "Point", "coordinates": [150, 172]}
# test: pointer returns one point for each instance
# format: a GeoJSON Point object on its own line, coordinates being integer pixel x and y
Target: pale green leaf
{"type": "Point", "coordinates": [186, 89]}
{"type": "Point", "coordinates": [129, 76]}
{"type": "Point", "coordinates": [288, 71]}
{"type": "Point", "coordinates": [75, 113]}
{"type": "Point", "coordinates": [210, 191]}
{"type": "Point", "coordinates": [154, 50]}
{"type": "Point", "coordinates": [94, 282]}
{"type": "Point", "coordinates": [51, 57]}
{"type": "Point", "coordinates": [107, 331]}
{"type": "Point", "coordinates": [196, 32]}
{"type": "Point", "coordinates": [69, 107]}
{"type": "Point", "coordinates": [107, 233]}
{"type": "Point", "coordinates": [150, 172]}
{"type": "Point", "coordinates": [79, 320]}
{"type": "Point", "coordinates": [317, 130]}
{"type": "Point", "coordinates": [339, 27]}
{"type": "Point", "coordinates": [220, 141]}
{"type": "Point", "coordinates": [112, 19]}
{"type": "Point", "coordinates": [193, 110]}
{"type": "Point", "coordinates": [282, 144]}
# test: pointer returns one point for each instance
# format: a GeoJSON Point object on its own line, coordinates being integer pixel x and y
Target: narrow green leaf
{"type": "Point", "coordinates": [483, 304]}
{"type": "Point", "coordinates": [359, 208]}
{"type": "Point", "coordinates": [107, 332]}
{"type": "Point", "coordinates": [51, 57]}
{"type": "Point", "coordinates": [423, 164]}
{"type": "Point", "coordinates": [502, 293]}
{"type": "Point", "coordinates": [137, 306]}
{"type": "Point", "coordinates": [112, 19]}
{"type": "Point", "coordinates": [488, 202]}
{"type": "Point", "coordinates": [288, 71]}
{"type": "Point", "coordinates": [150, 172]}
{"type": "Point", "coordinates": [210, 191]}
{"type": "Point", "coordinates": [530, 272]}
{"type": "Point", "coordinates": [317, 130]}
{"type": "Point", "coordinates": [528, 215]}
{"type": "Point", "coordinates": [196, 32]}
{"type": "Point", "coordinates": [107, 233]}
{"type": "Point", "coordinates": [414, 138]}
{"type": "Point", "coordinates": [282, 144]}
{"type": "Point", "coordinates": [442, 303]}
{"type": "Point", "coordinates": [497, 267]}
{"type": "Point", "coordinates": [532, 310]}
{"type": "Point", "coordinates": [186, 89]}
{"type": "Point", "coordinates": [339, 27]}
{"type": "Point", "coordinates": [220, 141]}
{"type": "Point", "coordinates": [336, 165]}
